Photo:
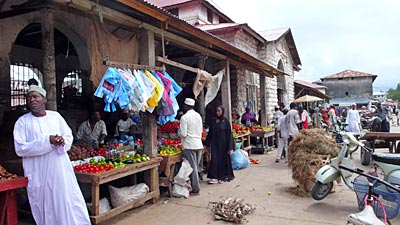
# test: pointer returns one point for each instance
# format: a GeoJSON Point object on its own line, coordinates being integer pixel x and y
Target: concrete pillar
{"type": "Point", "coordinates": [147, 57]}
{"type": "Point", "coordinates": [226, 92]}
{"type": "Point", "coordinates": [49, 62]}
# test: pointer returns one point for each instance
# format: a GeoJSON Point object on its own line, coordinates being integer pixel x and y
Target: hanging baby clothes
{"type": "Point", "coordinates": [167, 108]}
{"type": "Point", "coordinates": [136, 95]}
{"type": "Point", "coordinates": [147, 86]}
{"type": "Point", "coordinates": [108, 88]}
{"type": "Point", "coordinates": [157, 92]}
{"type": "Point", "coordinates": [175, 90]}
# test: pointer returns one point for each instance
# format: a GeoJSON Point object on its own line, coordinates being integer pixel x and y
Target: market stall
{"type": "Point", "coordinates": [150, 168]}
{"type": "Point", "coordinates": [241, 134]}
{"type": "Point", "coordinates": [266, 134]}
{"type": "Point", "coordinates": [8, 200]}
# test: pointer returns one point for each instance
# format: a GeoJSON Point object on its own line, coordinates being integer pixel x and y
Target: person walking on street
{"type": "Point", "coordinates": [293, 121]}
{"type": "Point", "coordinates": [304, 117]}
{"type": "Point", "coordinates": [332, 116]}
{"type": "Point", "coordinates": [275, 118]}
{"type": "Point", "coordinates": [282, 136]}
{"type": "Point", "coordinates": [220, 141]}
{"type": "Point", "coordinates": [190, 132]}
{"type": "Point", "coordinates": [42, 138]}
{"type": "Point", "coordinates": [353, 120]}
{"type": "Point", "coordinates": [317, 118]}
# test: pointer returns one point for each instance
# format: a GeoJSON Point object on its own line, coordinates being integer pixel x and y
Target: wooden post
{"type": "Point", "coordinates": [147, 57]}
{"type": "Point", "coordinates": [200, 98]}
{"type": "Point", "coordinates": [226, 92]}
{"type": "Point", "coordinates": [49, 62]}
{"type": "Point", "coordinates": [263, 98]}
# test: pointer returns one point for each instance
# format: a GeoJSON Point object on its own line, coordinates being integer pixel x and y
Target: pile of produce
{"type": "Point", "coordinates": [4, 175]}
{"type": "Point", "coordinates": [167, 150]}
{"type": "Point", "coordinates": [231, 209]}
{"type": "Point", "coordinates": [138, 158]}
{"type": "Point", "coordinates": [238, 130]}
{"type": "Point", "coordinates": [308, 152]}
{"type": "Point", "coordinates": [78, 152]}
{"type": "Point", "coordinates": [172, 142]}
{"type": "Point", "coordinates": [170, 127]}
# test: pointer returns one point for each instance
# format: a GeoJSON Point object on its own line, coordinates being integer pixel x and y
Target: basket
{"type": "Point", "coordinates": [390, 200]}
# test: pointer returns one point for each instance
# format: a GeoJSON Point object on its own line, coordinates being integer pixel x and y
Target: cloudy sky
{"type": "Point", "coordinates": [332, 35]}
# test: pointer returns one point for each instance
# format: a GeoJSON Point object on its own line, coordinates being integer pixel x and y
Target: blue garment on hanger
{"type": "Point", "coordinates": [108, 88]}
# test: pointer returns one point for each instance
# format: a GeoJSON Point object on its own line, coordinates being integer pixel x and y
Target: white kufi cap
{"type": "Point", "coordinates": [37, 89]}
{"type": "Point", "coordinates": [189, 101]}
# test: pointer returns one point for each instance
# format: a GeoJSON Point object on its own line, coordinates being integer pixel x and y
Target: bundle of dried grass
{"type": "Point", "coordinates": [308, 152]}
{"type": "Point", "coordinates": [231, 209]}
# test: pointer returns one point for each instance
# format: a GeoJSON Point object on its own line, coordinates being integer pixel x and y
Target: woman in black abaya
{"type": "Point", "coordinates": [220, 140]}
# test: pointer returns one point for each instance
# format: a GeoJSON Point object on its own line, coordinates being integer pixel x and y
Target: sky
{"type": "Point", "coordinates": [331, 35]}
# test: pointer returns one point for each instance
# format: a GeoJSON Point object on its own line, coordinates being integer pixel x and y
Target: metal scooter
{"type": "Point", "coordinates": [329, 173]}
{"type": "Point", "coordinates": [387, 165]}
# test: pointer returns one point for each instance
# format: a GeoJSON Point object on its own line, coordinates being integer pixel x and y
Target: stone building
{"type": "Point", "coordinates": [275, 47]}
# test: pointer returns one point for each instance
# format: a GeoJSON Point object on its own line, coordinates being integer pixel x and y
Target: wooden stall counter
{"type": "Point", "coordinates": [8, 200]}
{"type": "Point", "coordinates": [244, 139]}
{"type": "Point", "coordinates": [167, 168]}
{"type": "Point", "coordinates": [264, 135]}
{"type": "Point", "coordinates": [149, 167]}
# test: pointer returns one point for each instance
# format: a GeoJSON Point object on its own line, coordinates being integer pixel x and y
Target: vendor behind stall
{"type": "Point", "coordinates": [125, 124]}
{"type": "Point", "coordinates": [93, 129]}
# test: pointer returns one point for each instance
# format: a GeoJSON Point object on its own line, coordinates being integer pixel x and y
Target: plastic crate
{"type": "Point", "coordinates": [389, 199]}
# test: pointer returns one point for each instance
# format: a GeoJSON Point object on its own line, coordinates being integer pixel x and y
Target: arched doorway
{"type": "Point", "coordinates": [72, 64]}
{"type": "Point", "coordinates": [281, 86]}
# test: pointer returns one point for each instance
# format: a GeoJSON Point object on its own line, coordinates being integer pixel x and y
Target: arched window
{"type": "Point", "coordinates": [20, 75]}
{"type": "Point", "coordinates": [72, 84]}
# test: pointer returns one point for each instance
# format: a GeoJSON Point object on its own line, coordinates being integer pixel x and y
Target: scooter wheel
{"type": "Point", "coordinates": [320, 190]}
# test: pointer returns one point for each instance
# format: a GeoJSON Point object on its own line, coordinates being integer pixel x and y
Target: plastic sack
{"type": "Point", "coordinates": [121, 196]}
{"type": "Point", "coordinates": [104, 206]}
{"type": "Point", "coordinates": [182, 185]}
{"type": "Point", "coordinates": [239, 160]}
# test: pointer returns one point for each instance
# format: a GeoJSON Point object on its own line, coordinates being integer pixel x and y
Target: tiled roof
{"type": "Point", "coordinates": [273, 35]}
{"type": "Point", "coordinates": [312, 85]}
{"type": "Point", "coordinates": [349, 73]}
{"type": "Point", "coordinates": [163, 3]}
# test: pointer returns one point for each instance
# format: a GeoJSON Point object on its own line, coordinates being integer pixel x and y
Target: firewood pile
{"type": "Point", "coordinates": [231, 209]}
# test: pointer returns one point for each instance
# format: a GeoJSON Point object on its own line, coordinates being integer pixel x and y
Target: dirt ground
{"type": "Point", "coordinates": [252, 184]}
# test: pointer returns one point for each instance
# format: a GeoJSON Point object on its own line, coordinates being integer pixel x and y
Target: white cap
{"type": "Point", "coordinates": [37, 89]}
{"type": "Point", "coordinates": [189, 101]}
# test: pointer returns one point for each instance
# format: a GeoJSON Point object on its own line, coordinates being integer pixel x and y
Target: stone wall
{"type": "Point", "coordinates": [349, 87]}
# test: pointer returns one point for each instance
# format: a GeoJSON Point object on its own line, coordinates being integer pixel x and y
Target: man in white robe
{"type": "Point", "coordinates": [42, 138]}
{"type": "Point", "coordinates": [353, 120]}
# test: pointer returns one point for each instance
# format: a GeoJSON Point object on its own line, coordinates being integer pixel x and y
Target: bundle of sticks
{"type": "Point", "coordinates": [231, 209]}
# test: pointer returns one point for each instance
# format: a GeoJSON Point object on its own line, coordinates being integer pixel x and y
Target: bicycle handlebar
{"type": "Point", "coordinates": [362, 173]}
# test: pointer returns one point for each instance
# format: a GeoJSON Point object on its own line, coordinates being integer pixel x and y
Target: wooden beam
{"type": "Point", "coordinates": [176, 64]}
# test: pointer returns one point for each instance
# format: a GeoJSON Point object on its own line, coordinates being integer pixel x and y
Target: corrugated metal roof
{"type": "Point", "coordinates": [348, 74]}
{"type": "Point", "coordinates": [163, 3]}
{"type": "Point", "coordinates": [312, 85]}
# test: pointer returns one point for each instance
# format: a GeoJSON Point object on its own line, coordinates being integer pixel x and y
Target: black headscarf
{"type": "Point", "coordinates": [223, 111]}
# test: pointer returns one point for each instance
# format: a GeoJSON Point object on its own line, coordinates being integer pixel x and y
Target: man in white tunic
{"type": "Point", "coordinates": [42, 138]}
{"type": "Point", "coordinates": [353, 120]}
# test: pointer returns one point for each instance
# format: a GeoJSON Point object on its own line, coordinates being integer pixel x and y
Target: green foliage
{"type": "Point", "coordinates": [394, 93]}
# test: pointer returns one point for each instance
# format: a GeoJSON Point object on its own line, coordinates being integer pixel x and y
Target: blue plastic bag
{"type": "Point", "coordinates": [239, 160]}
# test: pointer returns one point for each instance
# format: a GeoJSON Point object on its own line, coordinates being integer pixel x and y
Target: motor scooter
{"type": "Point", "coordinates": [388, 165]}
{"type": "Point", "coordinates": [329, 173]}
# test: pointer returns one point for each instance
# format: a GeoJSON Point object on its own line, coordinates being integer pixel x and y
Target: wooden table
{"type": "Point", "coordinates": [264, 138]}
{"type": "Point", "coordinates": [167, 167]}
{"type": "Point", "coordinates": [244, 138]}
{"type": "Point", "coordinates": [8, 200]}
{"type": "Point", "coordinates": [389, 138]}
{"type": "Point", "coordinates": [149, 167]}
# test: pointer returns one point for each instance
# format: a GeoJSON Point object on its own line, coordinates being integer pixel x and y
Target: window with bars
{"type": "Point", "coordinates": [20, 75]}
{"type": "Point", "coordinates": [72, 84]}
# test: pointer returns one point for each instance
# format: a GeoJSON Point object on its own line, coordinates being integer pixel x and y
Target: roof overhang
{"type": "Point", "coordinates": [301, 90]}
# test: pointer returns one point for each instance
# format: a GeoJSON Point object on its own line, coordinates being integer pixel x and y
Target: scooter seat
{"type": "Point", "coordinates": [387, 158]}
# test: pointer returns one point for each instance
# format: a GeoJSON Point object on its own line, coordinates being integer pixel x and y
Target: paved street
{"type": "Point", "coordinates": [253, 185]}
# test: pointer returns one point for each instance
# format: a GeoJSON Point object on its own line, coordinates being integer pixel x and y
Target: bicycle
{"type": "Point", "coordinates": [371, 202]}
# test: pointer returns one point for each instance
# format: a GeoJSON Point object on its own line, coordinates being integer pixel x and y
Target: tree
{"type": "Point", "coordinates": [394, 94]}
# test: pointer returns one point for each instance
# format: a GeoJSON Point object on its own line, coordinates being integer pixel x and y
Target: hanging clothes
{"type": "Point", "coordinates": [147, 85]}
{"type": "Point", "coordinates": [202, 79]}
{"type": "Point", "coordinates": [108, 88]}
{"type": "Point", "coordinates": [213, 86]}
{"type": "Point", "coordinates": [156, 94]}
